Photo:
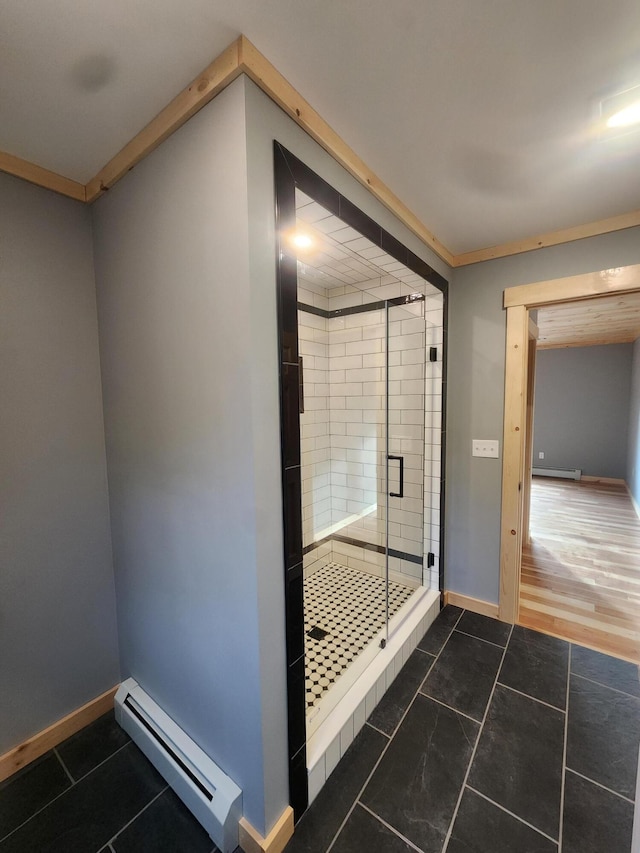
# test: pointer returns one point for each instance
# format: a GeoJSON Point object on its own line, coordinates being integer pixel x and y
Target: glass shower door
{"type": "Point", "coordinates": [404, 451]}
{"type": "Point", "coordinates": [361, 377]}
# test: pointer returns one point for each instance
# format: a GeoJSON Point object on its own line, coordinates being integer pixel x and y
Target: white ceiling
{"type": "Point", "coordinates": [476, 114]}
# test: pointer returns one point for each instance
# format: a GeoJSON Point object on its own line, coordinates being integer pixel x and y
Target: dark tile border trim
{"type": "Point", "coordinates": [369, 546]}
{"type": "Point", "coordinates": [360, 309]}
{"type": "Point", "coordinates": [313, 185]}
{"type": "Point", "coordinates": [311, 309]}
{"type": "Point", "coordinates": [290, 172]}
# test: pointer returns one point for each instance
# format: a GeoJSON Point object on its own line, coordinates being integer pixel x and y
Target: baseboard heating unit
{"type": "Point", "coordinates": [565, 473]}
{"type": "Point", "coordinates": [213, 798]}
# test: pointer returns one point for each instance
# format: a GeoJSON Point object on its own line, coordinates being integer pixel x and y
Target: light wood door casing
{"type": "Point", "coordinates": [513, 460]}
{"type": "Point", "coordinates": [518, 300]}
{"type": "Point", "coordinates": [528, 443]}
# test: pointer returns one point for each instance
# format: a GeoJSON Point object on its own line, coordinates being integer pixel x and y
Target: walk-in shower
{"type": "Point", "coordinates": [366, 326]}
{"type": "Point", "coordinates": [362, 353]}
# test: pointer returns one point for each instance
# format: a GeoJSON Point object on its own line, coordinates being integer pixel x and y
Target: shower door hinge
{"type": "Point", "coordinates": [383, 644]}
{"type": "Point", "coordinates": [431, 559]}
{"type": "Point", "coordinates": [433, 353]}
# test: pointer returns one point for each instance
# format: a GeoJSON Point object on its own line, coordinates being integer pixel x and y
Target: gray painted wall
{"type": "Point", "coordinates": [476, 394]}
{"type": "Point", "coordinates": [581, 412]}
{"type": "Point", "coordinates": [174, 300]}
{"type": "Point", "coordinates": [185, 268]}
{"type": "Point", "coordinates": [633, 443]}
{"type": "Point", "coordinates": [57, 604]}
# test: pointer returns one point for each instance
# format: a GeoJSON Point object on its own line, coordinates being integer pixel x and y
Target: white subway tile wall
{"type": "Point", "coordinates": [358, 424]}
{"type": "Point", "coordinates": [313, 345]}
{"type": "Point", "coordinates": [343, 426]}
{"type": "Point", "coordinates": [349, 363]}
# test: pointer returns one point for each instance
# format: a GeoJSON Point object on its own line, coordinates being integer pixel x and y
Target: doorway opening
{"type": "Point", "coordinates": [571, 538]}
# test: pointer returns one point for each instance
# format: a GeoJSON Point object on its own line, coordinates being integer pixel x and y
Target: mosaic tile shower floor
{"type": "Point", "coordinates": [350, 606]}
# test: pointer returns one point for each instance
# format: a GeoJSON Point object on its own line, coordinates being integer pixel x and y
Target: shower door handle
{"type": "Point", "coordinates": [399, 459]}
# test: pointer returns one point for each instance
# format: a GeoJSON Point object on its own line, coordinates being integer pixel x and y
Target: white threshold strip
{"type": "Point", "coordinates": [331, 727]}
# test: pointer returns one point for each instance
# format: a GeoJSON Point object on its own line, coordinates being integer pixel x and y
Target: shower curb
{"type": "Point", "coordinates": [329, 743]}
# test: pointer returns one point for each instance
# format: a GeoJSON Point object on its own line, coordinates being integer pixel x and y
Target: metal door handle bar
{"type": "Point", "coordinates": [399, 459]}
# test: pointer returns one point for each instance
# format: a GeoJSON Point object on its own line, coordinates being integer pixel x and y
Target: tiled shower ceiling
{"type": "Point", "coordinates": [340, 255]}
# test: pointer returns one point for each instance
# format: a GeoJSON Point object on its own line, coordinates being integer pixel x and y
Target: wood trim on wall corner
{"type": "Point", "coordinates": [273, 84]}
{"type": "Point", "coordinates": [41, 177]}
{"type": "Point", "coordinates": [552, 238]}
{"type": "Point", "coordinates": [215, 77]}
{"type": "Point", "coordinates": [476, 605]}
{"type": "Point", "coordinates": [252, 842]}
{"type": "Point", "coordinates": [242, 57]}
{"type": "Point", "coordinates": [43, 741]}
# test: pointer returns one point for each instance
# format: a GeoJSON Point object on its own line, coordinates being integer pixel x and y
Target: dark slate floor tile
{"type": "Point", "coordinates": [594, 819]}
{"type": "Point", "coordinates": [24, 793]}
{"type": "Point", "coordinates": [485, 628]}
{"type": "Point", "coordinates": [92, 745]}
{"type": "Point", "coordinates": [481, 827]}
{"type": "Point", "coordinates": [603, 735]}
{"type": "Point", "coordinates": [364, 832]}
{"type": "Point", "coordinates": [518, 763]}
{"type": "Point", "coordinates": [416, 786]}
{"type": "Point", "coordinates": [616, 673]}
{"type": "Point", "coordinates": [438, 633]}
{"type": "Point", "coordinates": [464, 674]}
{"type": "Point", "coordinates": [166, 826]}
{"type": "Point", "coordinates": [537, 665]}
{"type": "Point", "coordinates": [317, 827]}
{"type": "Point", "coordinates": [90, 813]}
{"type": "Point", "coordinates": [398, 697]}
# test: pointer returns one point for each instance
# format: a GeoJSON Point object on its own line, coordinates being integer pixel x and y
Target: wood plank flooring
{"type": "Point", "coordinates": [581, 573]}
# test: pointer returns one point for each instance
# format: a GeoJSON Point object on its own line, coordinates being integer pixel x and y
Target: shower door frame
{"type": "Point", "coordinates": [292, 173]}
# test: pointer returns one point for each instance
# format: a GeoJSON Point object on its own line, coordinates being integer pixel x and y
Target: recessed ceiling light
{"type": "Point", "coordinates": [302, 241]}
{"type": "Point", "coordinates": [620, 111]}
{"type": "Point", "coordinates": [626, 116]}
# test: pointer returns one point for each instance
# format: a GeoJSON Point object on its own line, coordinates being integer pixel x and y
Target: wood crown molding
{"type": "Point", "coordinates": [242, 57]}
{"type": "Point", "coordinates": [45, 740]}
{"type": "Point", "coordinates": [273, 84]}
{"type": "Point", "coordinates": [42, 177]}
{"type": "Point", "coordinates": [553, 238]}
{"type": "Point", "coordinates": [215, 77]}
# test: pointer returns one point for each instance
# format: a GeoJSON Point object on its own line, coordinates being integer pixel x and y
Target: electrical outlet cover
{"type": "Point", "coordinates": [485, 447]}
